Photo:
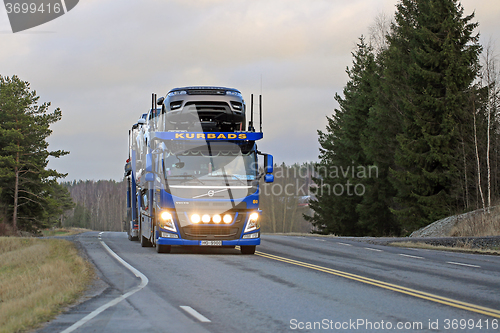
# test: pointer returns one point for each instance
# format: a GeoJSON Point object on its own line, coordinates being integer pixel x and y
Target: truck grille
{"type": "Point", "coordinates": [206, 92]}
{"type": "Point", "coordinates": [210, 106]}
{"type": "Point", "coordinates": [211, 232]}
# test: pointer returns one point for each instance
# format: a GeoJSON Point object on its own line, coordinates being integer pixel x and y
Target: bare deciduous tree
{"type": "Point", "coordinates": [378, 32]}
{"type": "Point", "coordinates": [489, 78]}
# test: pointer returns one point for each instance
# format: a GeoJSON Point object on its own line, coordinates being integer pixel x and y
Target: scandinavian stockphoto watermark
{"type": "Point", "coordinates": [310, 180]}
{"type": "Point", "coordinates": [26, 14]}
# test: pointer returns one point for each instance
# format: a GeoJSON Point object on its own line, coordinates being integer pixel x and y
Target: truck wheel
{"type": "Point", "coordinates": [163, 248]}
{"type": "Point", "coordinates": [247, 249]}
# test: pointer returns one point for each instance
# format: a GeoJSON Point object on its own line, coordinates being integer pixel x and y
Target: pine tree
{"type": "Point", "coordinates": [25, 181]}
{"type": "Point", "coordinates": [431, 64]}
{"type": "Point", "coordinates": [58, 201]}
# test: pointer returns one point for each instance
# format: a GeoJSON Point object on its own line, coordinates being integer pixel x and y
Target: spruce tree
{"type": "Point", "coordinates": [379, 145]}
{"type": "Point", "coordinates": [430, 65]}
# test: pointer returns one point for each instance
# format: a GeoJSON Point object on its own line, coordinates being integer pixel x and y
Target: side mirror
{"type": "Point", "coordinates": [269, 178]}
{"type": "Point", "coordinates": [268, 163]}
{"type": "Point", "coordinates": [160, 100]}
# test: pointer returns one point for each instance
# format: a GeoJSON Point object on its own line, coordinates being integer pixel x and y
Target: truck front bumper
{"type": "Point", "coordinates": [177, 241]}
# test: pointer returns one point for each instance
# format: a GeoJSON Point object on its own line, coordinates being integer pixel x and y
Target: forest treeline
{"type": "Point", "coordinates": [99, 205]}
{"type": "Point", "coordinates": [420, 110]}
{"type": "Point", "coordinates": [285, 201]}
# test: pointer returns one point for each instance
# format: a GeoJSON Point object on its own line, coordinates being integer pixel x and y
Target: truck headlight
{"type": "Point", "coordinates": [253, 222]}
{"type": "Point", "coordinates": [228, 219]}
{"type": "Point", "coordinates": [233, 93]}
{"type": "Point", "coordinates": [176, 93]}
{"type": "Point", "coordinates": [165, 216]}
{"type": "Point", "coordinates": [254, 217]}
{"type": "Point", "coordinates": [195, 218]}
{"type": "Point", "coordinates": [166, 221]}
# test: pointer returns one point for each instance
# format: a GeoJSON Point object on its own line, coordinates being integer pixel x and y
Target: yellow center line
{"type": "Point", "coordinates": [389, 286]}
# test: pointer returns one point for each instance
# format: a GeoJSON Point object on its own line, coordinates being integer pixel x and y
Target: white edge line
{"type": "Point", "coordinates": [372, 249]}
{"type": "Point", "coordinates": [90, 316]}
{"type": "Point", "coordinates": [195, 314]}
{"type": "Point", "coordinates": [460, 264]}
{"type": "Point", "coordinates": [409, 256]}
{"type": "Point", "coordinates": [345, 244]}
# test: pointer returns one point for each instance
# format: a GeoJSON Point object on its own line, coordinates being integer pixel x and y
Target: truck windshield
{"type": "Point", "coordinates": [210, 166]}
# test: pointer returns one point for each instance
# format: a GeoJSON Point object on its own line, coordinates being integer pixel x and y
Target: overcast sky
{"type": "Point", "coordinates": [101, 61]}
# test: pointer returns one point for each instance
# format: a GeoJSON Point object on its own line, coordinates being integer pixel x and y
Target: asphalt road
{"type": "Point", "coordinates": [292, 284]}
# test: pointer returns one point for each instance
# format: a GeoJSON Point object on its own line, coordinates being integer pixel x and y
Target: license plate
{"type": "Point", "coordinates": [211, 243]}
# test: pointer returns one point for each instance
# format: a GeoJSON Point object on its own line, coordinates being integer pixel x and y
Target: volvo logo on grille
{"type": "Point", "coordinates": [210, 193]}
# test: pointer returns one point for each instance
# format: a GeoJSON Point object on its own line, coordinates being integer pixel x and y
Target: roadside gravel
{"type": "Point", "coordinates": [491, 242]}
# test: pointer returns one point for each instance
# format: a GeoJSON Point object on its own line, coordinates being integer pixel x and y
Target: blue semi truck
{"type": "Point", "coordinates": [193, 172]}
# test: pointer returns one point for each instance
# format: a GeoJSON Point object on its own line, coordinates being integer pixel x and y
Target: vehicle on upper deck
{"type": "Point", "coordinates": [212, 108]}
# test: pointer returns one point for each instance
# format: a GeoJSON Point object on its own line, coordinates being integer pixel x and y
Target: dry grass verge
{"type": "Point", "coordinates": [63, 232]}
{"type": "Point", "coordinates": [38, 277]}
{"type": "Point", "coordinates": [479, 224]}
{"type": "Point", "coordinates": [459, 247]}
